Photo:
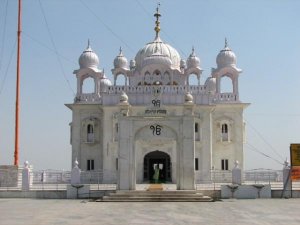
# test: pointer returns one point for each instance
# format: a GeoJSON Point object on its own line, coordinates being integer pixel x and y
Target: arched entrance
{"type": "Point", "coordinates": [163, 160]}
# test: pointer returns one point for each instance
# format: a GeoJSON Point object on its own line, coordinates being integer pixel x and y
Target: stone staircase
{"type": "Point", "coordinates": [156, 196]}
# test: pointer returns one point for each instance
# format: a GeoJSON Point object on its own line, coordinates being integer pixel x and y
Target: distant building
{"type": "Point", "coordinates": [157, 117]}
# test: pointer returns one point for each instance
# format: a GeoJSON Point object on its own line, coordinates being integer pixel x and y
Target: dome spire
{"type": "Point", "coordinates": [88, 48]}
{"type": "Point", "coordinates": [193, 52]}
{"type": "Point", "coordinates": [157, 22]}
{"type": "Point", "coordinates": [120, 51]}
{"type": "Point", "coordinates": [226, 43]}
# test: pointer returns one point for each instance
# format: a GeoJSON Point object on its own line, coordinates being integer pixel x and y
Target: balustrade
{"type": "Point", "coordinates": [171, 95]}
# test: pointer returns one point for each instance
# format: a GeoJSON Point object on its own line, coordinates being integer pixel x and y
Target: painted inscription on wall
{"type": "Point", "coordinates": [156, 110]}
{"type": "Point", "coordinates": [156, 129]}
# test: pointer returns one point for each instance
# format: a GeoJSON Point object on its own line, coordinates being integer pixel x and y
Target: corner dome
{"type": "Point", "coordinates": [210, 84]}
{"type": "Point", "coordinates": [156, 48]}
{"type": "Point", "coordinates": [120, 61]}
{"type": "Point", "coordinates": [182, 63]}
{"type": "Point", "coordinates": [226, 57]}
{"type": "Point", "coordinates": [105, 83]}
{"type": "Point", "coordinates": [193, 61]}
{"type": "Point", "coordinates": [88, 59]}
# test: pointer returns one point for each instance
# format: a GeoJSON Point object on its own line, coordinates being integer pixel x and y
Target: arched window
{"type": "Point", "coordinates": [90, 133]}
{"type": "Point", "coordinates": [116, 131]}
{"type": "Point", "coordinates": [224, 132]}
{"type": "Point", "coordinates": [120, 80]}
{"type": "Point", "coordinates": [157, 78]}
{"type": "Point", "coordinates": [88, 86]}
{"type": "Point", "coordinates": [197, 132]}
{"type": "Point", "coordinates": [147, 78]}
{"type": "Point", "coordinates": [193, 79]}
{"type": "Point", "coordinates": [166, 78]}
{"type": "Point", "coordinates": [226, 85]}
{"type": "Point", "coordinates": [157, 73]}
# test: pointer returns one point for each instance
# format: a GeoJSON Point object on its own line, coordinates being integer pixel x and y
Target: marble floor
{"type": "Point", "coordinates": [83, 212]}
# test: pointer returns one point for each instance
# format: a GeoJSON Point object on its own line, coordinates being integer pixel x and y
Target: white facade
{"type": "Point", "coordinates": [157, 117]}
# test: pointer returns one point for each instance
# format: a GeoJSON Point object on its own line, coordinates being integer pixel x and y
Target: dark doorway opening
{"type": "Point", "coordinates": [163, 161]}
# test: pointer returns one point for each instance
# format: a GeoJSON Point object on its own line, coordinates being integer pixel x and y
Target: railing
{"type": "Point", "coordinates": [201, 96]}
{"type": "Point", "coordinates": [180, 89]}
{"type": "Point", "coordinates": [107, 180]}
{"type": "Point", "coordinates": [98, 177]}
{"type": "Point", "coordinates": [263, 175]}
{"type": "Point", "coordinates": [88, 98]}
{"type": "Point", "coordinates": [226, 97]}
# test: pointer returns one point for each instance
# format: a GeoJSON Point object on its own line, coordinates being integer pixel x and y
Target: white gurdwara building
{"type": "Point", "coordinates": [157, 117]}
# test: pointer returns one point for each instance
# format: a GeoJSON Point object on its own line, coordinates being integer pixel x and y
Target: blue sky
{"type": "Point", "coordinates": [264, 34]}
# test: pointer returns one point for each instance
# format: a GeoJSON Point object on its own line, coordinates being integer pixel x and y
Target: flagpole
{"type": "Point", "coordinates": [16, 153]}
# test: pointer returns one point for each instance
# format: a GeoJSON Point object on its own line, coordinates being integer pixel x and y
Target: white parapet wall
{"type": "Point", "coordinates": [78, 191]}
{"type": "Point", "coordinates": [245, 191]}
{"type": "Point", "coordinates": [10, 176]}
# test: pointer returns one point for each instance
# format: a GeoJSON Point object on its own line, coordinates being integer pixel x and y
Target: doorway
{"type": "Point", "coordinates": [160, 159]}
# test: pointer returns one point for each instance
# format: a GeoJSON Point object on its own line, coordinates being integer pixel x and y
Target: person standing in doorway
{"type": "Point", "coordinates": [156, 174]}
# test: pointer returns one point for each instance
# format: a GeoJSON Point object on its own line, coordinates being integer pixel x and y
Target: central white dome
{"type": "Point", "coordinates": [161, 48]}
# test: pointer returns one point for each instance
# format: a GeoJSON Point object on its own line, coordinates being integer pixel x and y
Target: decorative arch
{"type": "Point", "coordinates": [147, 78]}
{"type": "Point", "coordinates": [89, 129]}
{"type": "Point", "coordinates": [224, 129]}
{"type": "Point", "coordinates": [90, 133]}
{"type": "Point", "coordinates": [121, 79]}
{"type": "Point", "coordinates": [160, 159]}
{"type": "Point", "coordinates": [166, 78]}
{"type": "Point", "coordinates": [157, 77]}
{"type": "Point", "coordinates": [232, 73]}
{"type": "Point", "coordinates": [226, 84]}
{"type": "Point", "coordinates": [88, 85]}
{"type": "Point", "coordinates": [193, 79]}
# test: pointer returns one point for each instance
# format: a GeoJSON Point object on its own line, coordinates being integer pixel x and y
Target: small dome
{"type": "Point", "coordinates": [123, 97]}
{"type": "Point", "coordinates": [120, 61]}
{"type": "Point", "coordinates": [161, 48]}
{"type": "Point", "coordinates": [226, 57]}
{"type": "Point", "coordinates": [210, 84]}
{"type": "Point", "coordinates": [104, 83]}
{"type": "Point", "coordinates": [132, 64]}
{"type": "Point", "coordinates": [182, 63]}
{"type": "Point", "coordinates": [88, 58]}
{"type": "Point", "coordinates": [188, 98]}
{"type": "Point", "coordinates": [193, 61]}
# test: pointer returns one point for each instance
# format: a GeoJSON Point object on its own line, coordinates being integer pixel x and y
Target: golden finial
{"type": "Point", "coordinates": [157, 22]}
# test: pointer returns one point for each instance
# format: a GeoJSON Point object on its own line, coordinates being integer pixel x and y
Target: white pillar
{"type": "Point", "coordinates": [236, 174]}
{"type": "Point", "coordinates": [218, 85]}
{"type": "Point", "coordinates": [26, 177]}
{"type": "Point", "coordinates": [75, 174]}
{"type": "Point", "coordinates": [287, 182]}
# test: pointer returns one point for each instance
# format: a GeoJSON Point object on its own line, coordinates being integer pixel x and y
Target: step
{"type": "Point", "coordinates": [158, 192]}
{"type": "Point", "coordinates": [166, 199]}
{"type": "Point", "coordinates": [156, 196]}
{"type": "Point", "coordinates": [153, 197]}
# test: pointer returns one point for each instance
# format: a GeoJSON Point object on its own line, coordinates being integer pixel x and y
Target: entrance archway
{"type": "Point", "coordinates": [163, 160]}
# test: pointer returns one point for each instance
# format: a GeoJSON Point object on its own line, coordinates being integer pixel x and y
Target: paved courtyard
{"type": "Point", "coordinates": [75, 212]}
